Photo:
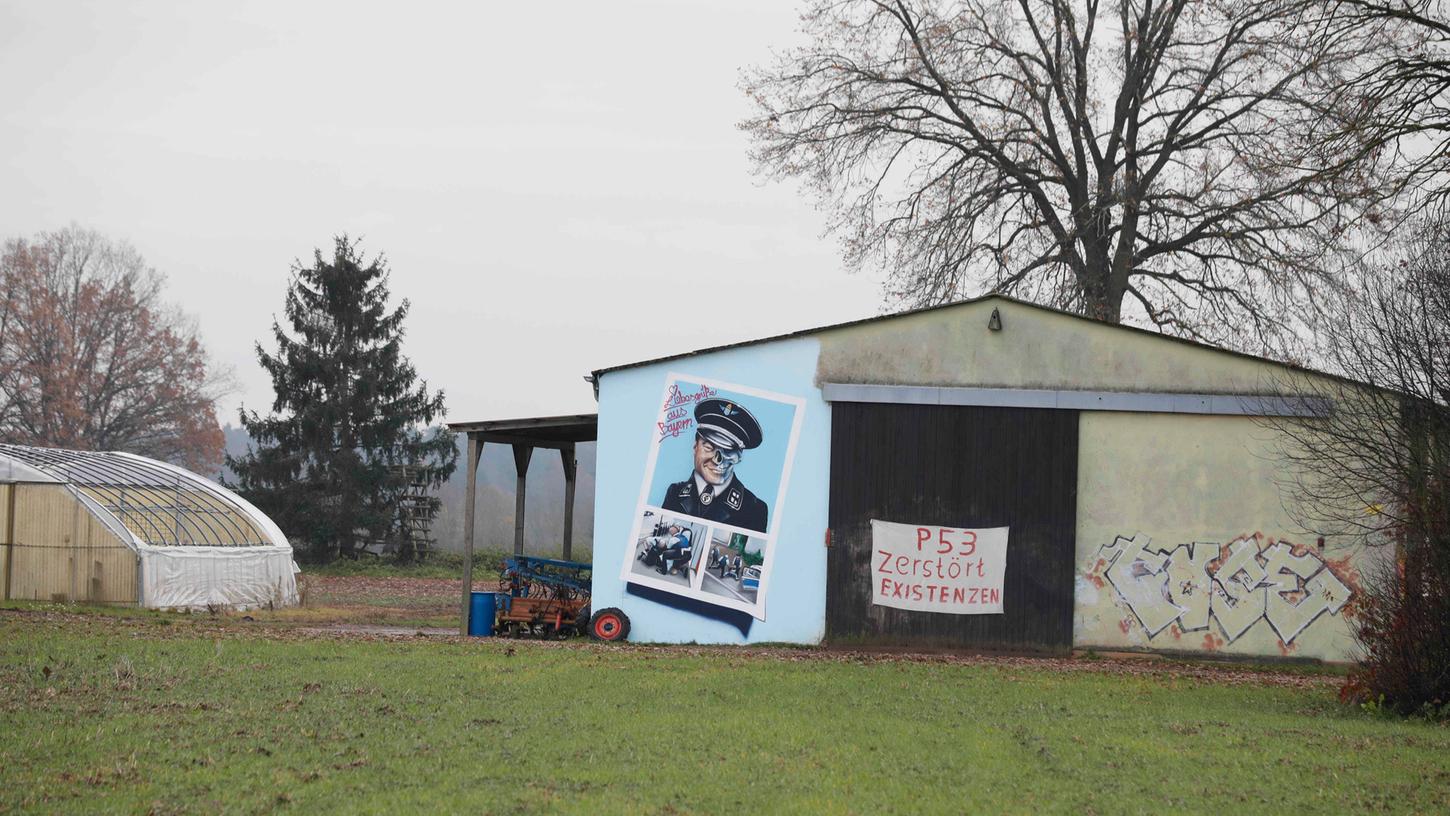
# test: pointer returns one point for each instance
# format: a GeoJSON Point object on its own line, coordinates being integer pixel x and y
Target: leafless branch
{"type": "Point", "coordinates": [1195, 163]}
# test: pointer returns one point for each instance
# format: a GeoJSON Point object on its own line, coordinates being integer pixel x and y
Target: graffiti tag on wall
{"type": "Point", "coordinates": [1237, 584]}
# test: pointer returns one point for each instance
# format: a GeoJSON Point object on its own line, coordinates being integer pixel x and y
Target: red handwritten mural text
{"type": "Point", "coordinates": [677, 413]}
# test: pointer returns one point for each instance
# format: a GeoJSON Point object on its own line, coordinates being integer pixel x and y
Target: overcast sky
{"type": "Point", "coordinates": [558, 186]}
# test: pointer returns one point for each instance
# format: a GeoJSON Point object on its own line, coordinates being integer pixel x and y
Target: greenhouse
{"type": "Point", "coordinates": [116, 528]}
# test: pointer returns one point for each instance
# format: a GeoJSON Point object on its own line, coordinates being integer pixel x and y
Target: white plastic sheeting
{"type": "Point", "coordinates": [210, 577]}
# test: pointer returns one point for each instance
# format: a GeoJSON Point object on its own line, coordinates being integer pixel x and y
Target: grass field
{"type": "Point", "coordinates": [441, 564]}
{"type": "Point", "coordinates": [130, 713]}
{"type": "Point", "coordinates": [438, 565]}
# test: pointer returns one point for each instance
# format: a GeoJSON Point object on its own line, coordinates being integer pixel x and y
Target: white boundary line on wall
{"type": "Point", "coordinates": [1262, 405]}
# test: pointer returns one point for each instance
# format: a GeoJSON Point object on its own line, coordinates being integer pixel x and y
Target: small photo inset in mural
{"type": "Point", "coordinates": [733, 565]}
{"type": "Point", "coordinates": [669, 548]}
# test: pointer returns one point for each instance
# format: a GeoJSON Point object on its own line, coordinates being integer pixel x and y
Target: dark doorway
{"type": "Point", "coordinates": [958, 466]}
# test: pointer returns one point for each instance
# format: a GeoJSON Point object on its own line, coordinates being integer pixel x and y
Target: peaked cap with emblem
{"type": "Point", "coordinates": [726, 424]}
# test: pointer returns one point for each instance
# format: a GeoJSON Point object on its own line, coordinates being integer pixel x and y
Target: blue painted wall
{"type": "Point", "coordinates": [629, 402]}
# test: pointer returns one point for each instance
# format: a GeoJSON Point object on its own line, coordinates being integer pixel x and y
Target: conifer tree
{"type": "Point", "coordinates": [349, 414]}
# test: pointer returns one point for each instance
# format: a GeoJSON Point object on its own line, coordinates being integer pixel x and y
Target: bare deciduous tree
{"type": "Point", "coordinates": [1360, 471]}
{"type": "Point", "coordinates": [92, 358]}
{"type": "Point", "coordinates": [1170, 160]}
{"type": "Point", "coordinates": [1377, 469]}
{"type": "Point", "coordinates": [1411, 90]}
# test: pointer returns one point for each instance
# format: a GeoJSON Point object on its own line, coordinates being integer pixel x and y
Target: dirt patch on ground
{"type": "Point", "coordinates": [327, 590]}
{"type": "Point", "coordinates": [1138, 665]}
{"type": "Point", "coordinates": [372, 600]}
{"type": "Point", "coordinates": [392, 608]}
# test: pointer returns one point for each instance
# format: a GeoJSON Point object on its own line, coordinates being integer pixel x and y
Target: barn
{"type": "Point", "coordinates": [989, 474]}
{"type": "Point", "coordinates": [115, 528]}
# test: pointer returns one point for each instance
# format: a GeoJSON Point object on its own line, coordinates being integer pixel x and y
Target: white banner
{"type": "Point", "coordinates": [938, 569]}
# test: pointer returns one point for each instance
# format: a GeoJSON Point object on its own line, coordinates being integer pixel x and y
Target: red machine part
{"type": "Point", "coordinates": [609, 624]}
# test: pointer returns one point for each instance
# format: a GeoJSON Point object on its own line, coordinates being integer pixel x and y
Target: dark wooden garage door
{"type": "Point", "coordinates": [957, 467]}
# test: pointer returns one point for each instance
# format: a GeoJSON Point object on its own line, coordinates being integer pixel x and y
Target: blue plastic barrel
{"type": "Point", "coordinates": [482, 608]}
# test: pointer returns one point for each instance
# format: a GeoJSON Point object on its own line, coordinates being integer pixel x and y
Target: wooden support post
{"type": "Point", "coordinates": [475, 449]}
{"type": "Point", "coordinates": [571, 468]}
{"type": "Point", "coordinates": [522, 454]}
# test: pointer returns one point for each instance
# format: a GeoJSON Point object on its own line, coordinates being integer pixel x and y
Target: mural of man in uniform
{"type": "Point", "coordinates": [724, 431]}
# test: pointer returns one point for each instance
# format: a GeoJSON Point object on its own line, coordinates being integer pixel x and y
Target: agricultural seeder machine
{"type": "Point", "coordinates": [547, 597]}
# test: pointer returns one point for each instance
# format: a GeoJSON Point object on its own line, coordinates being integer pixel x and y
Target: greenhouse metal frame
{"type": "Point", "coordinates": [112, 527]}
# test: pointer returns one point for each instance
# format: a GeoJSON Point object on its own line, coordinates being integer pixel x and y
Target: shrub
{"type": "Point", "coordinates": [1402, 626]}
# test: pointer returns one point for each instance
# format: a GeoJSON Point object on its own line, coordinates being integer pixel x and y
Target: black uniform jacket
{"type": "Point", "coordinates": [736, 506]}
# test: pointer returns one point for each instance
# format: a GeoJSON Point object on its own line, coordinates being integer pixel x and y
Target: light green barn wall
{"type": "Point", "coordinates": [1172, 478]}
{"type": "Point", "coordinates": [1184, 544]}
{"type": "Point", "coordinates": [1036, 348]}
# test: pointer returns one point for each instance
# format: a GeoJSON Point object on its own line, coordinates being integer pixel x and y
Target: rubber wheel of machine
{"type": "Point", "coordinates": [609, 625]}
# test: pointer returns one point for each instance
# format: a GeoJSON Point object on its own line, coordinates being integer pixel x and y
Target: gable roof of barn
{"type": "Point", "coordinates": [970, 302]}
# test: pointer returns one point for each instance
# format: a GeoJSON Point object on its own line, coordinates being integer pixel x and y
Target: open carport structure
{"type": "Point", "coordinates": [561, 433]}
